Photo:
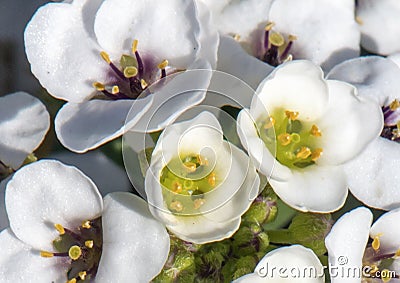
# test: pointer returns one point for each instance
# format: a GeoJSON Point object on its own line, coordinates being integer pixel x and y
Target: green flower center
{"type": "Point", "coordinates": [293, 142]}
{"type": "Point", "coordinates": [185, 181]}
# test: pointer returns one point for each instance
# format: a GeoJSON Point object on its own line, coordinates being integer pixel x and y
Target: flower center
{"type": "Point", "coordinates": [82, 249]}
{"type": "Point", "coordinates": [391, 128]}
{"type": "Point", "coordinates": [379, 262]}
{"type": "Point", "coordinates": [275, 50]}
{"type": "Point", "coordinates": [186, 181]}
{"type": "Point", "coordinates": [295, 142]}
{"type": "Point", "coordinates": [133, 75]}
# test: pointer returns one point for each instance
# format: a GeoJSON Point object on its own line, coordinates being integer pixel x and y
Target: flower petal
{"type": "Point", "coordinates": [24, 122]}
{"type": "Point", "coordinates": [280, 89]}
{"type": "Point", "coordinates": [135, 245]}
{"type": "Point", "coordinates": [373, 76]}
{"type": "Point", "coordinates": [162, 32]}
{"type": "Point", "coordinates": [85, 126]}
{"type": "Point", "coordinates": [315, 189]}
{"type": "Point", "coordinates": [349, 125]}
{"type": "Point", "coordinates": [45, 193]}
{"type": "Point", "coordinates": [373, 176]}
{"type": "Point", "coordinates": [347, 241]}
{"type": "Point", "coordinates": [326, 31]}
{"type": "Point", "coordinates": [106, 174]}
{"type": "Point", "coordinates": [61, 47]}
{"type": "Point", "coordinates": [390, 236]}
{"type": "Point", "coordinates": [234, 60]}
{"type": "Point", "coordinates": [380, 27]}
{"type": "Point", "coordinates": [278, 265]}
{"type": "Point", "coordinates": [19, 263]}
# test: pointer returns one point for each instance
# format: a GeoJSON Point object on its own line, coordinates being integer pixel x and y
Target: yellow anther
{"type": "Point", "coordinates": [295, 137]}
{"type": "Point", "coordinates": [46, 254]}
{"type": "Point", "coordinates": [386, 275]}
{"type": "Point", "coordinates": [177, 187]}
{"type": "Point", "coordinates": [130, 72]}
{"type": "Point", "coordinates": [89, 244]}
{"type": "Point", "coordinates": [315, 131]}
{"type": "Point", "coordinates": [269, 26]}
{"type": "Point", "coordinates": [134, 46]}
{"type": "Point", "coordinates": [288, 58]}
{"type": "Point", "coordinates": [163, 64]}
{"type": "Point", "coordinates": [304, 152]}
{"type": "Point", "coordinates": [143, 83]}
{"type": "Point", "coordinates": [269, 123]}
{"type": "Point", "coordinates": [201, 160]}
{"type": "Point", "coordinates": [99, 86]}
{"type": "Point", "coordinates": [292, 37]}
{"type": "Point", "coordinates": [284, 139]}
{"type": "Point", "coordinates": [292, 115]}
{"type": "Point", "coordinates": [86, 224]}
{"type": "Point", "coordinates": [276, 39]}
{"type": "Point", "coordinates": [74, 252]}
{"type": "Point", "coordinates": [212, 179]}
{"type": "Point", "coordinates": [60, 229]}
{"type": "Point", "coordinates": [115, 89]}
{"type": "Point", "coordinates": [236, 37]}
{"type": "Point", "coordinates": [359, 20]}
{"type": "Point", "coordinates": [82, 275]}
{"type": "Point", "coordinates": [176, 205]}
{"type": "Point", "coordinates": [394, 105]}
{"type": "Point", "coordinates": [197, 203]}
{"type": "Point", "coordinates": [374, 268]}
{"type": "Point", "coordinates": [105, 57]}
{"type": "Point", "coordinates": [73, 280]}
{"type": "Point", "coordinates": [397, 253]}
{"type": "Point", "coordinates": [376, 243]}
{"type": "Point", "coordinates": [316, 154]}
{"type": "Point", "coordinates": [190, 166]}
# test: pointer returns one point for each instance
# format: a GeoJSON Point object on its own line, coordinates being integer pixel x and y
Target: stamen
{"type": "Point", "coordinates": [162, 67]}
{"type": "Point", "coordinates": [394, 105]}
{"type": "Point", "coordinates": [285, 54]}
{"type": "Point", "coordinates": [73, 280]}
{"type": "Point", "coordinates": [304, 152]}
{"type": "Point", "coordinates": [386, 275]}
{"type": "Point", "coordinates": [86, 224]}
{"type": "Point", "coordinates": [190, 166]}
{"type": "Point", "coordinates": [60, 229]}
{"type": "Point", "coordinates": [284, 139]}
{"type": "Point", "coordinates": [99, 86]}
{"type": "Point", "coordinates": [316, 154]}
{"type": "Point", "coordinates": [197, 203]}
{"type": "Point", "coordinates": [276, 39]}
{"type": "Point", "coordinates": [359, 20]}
{"type": "Point", "coordinates": [143, 84]}
{"type": "Point", "coordinates": [212, 179]}
{"type": "Point", "coordinates": [46, 254]}
{"type": "Point", "coordinates": [315, 131]}
{"type": "Point", "coordinates": [269, 123]}
{"type": "Point", "coordinates": [134, 46]}
{"type": "Point", "coordinates": [138, 58]}
{"type": "Point", "coordinates": [105, 57]}
{"type": "Point", "coordinates": [82, 275]}
{"type": "Point", "coordinates": [130, 72]}
{"type": "Point", "coordinates": [115, 90]}
{"type": "Point", "coordinates": [291, 115]}
{"type": "Point", "coordinates": [75, 252]}
{"type": "Point", "coordinates": [176, 205]}
{"type": "Point", "coordinates": [376, 243]}
{"type": "Point", "coordinates": [269, 26]}
{"type": "Point", "coordinates": [89, 244]}
{"type": "Point", "coordinates": [177, 187]}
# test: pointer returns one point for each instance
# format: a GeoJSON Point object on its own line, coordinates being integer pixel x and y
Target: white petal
{"type": "Point", "coordinates": [347, 241]}
{"type": "Point", "coordinates": [349, 125]}
{"type": "Point", "coordinates": [19, 263]}
{"type": "Point", "coordinates": [326, 31]}
{"type": "Point", "coordinates": [250, 278]}
{"type": "Point", "coordinates": [296, 86]}
{"type": "Point", "coordinates": [234, 60]}
{"type": "Point", "coordinates": [315, 189]}
{"type": "Point", "coordinates": [162, 31]}
{"type": "Point", "coordinates": [295, 260]}
{"type": "Point", "coordinates": [106, 174]}
{"type": "Point", "coordinates": [85, 126]}
{"type": "Point", "coordinates": [45, 193]}
{"type": "Point", "coordinates": [201, 230]}
{"type": "Point", "coordinates": [386, 226]}
{"type": "Point", "coordinates": [64, 56]}
{"type": "Point", "coordinates": [24, 122]}
{"type": "Point", "coordinates": [264, 161]}
{"type": "Point", "coordinates": [135, 245]}
{"type": "Point", "coordinates": [373, 76]}
{"type": "Point", "coordinates": [395, 58]}
{"type": "Point", "coordinates": [373, 176]}
{"type": "Point", "coordinates": [380, 27]}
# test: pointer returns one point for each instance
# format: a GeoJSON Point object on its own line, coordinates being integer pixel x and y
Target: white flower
{"type": "Point", "coordinates": [24, 122]}
{"type": "Point", "coordinates": [288, 264]}
{"type": "Point", "coordinates": [301, 128]}
{"type": "Point", "coordinates": [322, 31]}
{"type": "Point", "coordinates": [349, 249]}
{"type": "Point", "coordinates": [379, 25]}
{"type": "Point", "coordinates": [374, 175]}
{"type": "Point", "coordinates": [197, 183]}
{"type": "Point", "coordinates": [101, 55]}
{"type": "Point", "coordinates": [61, 229]}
